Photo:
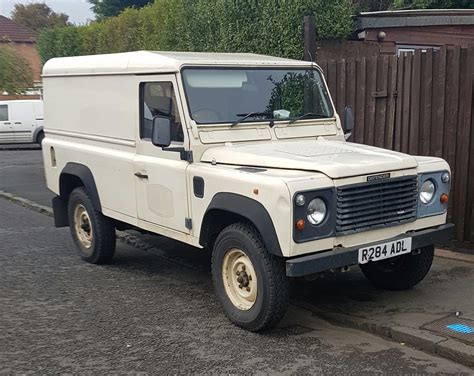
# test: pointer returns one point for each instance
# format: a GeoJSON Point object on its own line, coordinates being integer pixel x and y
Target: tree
{"type": "Point", "coordinates": [38, 16]}
{"type": "Point", "coordinates": [110, 8]}
{"type": "Point", "coordinates": [15, 72]}
{"type": "Point", "coordinates": [372, 5]}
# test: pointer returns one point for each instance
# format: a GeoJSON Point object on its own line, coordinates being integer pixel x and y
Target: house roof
{"type": "Point", "coordinates": [12, 32]}
{"type": "Point", "coordinates": [416, 17]}
{"type": "Point", "coordinates": [157, 62]}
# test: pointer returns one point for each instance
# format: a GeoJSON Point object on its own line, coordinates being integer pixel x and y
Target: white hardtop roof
{"type": "Point", "coordinates": [157, 62]}
{"type": "Point", "coordinates": [9, 101]}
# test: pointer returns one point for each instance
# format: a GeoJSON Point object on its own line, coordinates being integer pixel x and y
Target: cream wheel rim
{"type": "Point", "coordinates": [240, 280]}
{"type": "Point", "coordinates": [83, 226]}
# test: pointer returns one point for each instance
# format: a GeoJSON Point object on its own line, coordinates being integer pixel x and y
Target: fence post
{"type": "Point", "coordinates": [309, 26]}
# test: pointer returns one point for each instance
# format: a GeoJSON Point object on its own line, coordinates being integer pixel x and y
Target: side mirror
{"type": "Point", "coordinates": [348, 122]}
{"type": "Point", "coordinates": [161, 131]}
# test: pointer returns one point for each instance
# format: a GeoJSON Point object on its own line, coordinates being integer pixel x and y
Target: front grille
{"type": "Point", "coordinates": [366, 206]}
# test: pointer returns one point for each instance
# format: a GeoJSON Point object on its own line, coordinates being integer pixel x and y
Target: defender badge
{"type": "Point", "coordinates": [378, 177]}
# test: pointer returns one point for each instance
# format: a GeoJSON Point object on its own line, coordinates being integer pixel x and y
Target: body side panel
{"type": "Point", "coordinates": [111, 166]}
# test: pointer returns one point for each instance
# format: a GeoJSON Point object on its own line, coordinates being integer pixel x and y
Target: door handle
{"type": "Point", "coordinates": [17, 122]}
{"type": "Point", "coordinates": [140, 175]}
{"type": "Point", "coordinates": [7, 123]}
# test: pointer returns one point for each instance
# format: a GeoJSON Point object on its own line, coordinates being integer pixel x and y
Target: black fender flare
{"type": "Point", "coordinates": [245, 207]}
{"type": "Point", "coordinates": [85, 175]}
{"type": "Point", "coordinates": [36, 132]}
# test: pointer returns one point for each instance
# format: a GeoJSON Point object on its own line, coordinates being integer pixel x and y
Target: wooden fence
{"type": "Point", "coordinates": [419, 103]}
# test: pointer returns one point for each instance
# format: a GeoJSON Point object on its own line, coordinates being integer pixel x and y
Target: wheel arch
{"type": "Point", "coordinates": [72, 176]}
{"type": "Point", "coordinates": [36, 133]}
{"type": "Point", "coordinates": [227, 208]}
{"type": "Point", "coordinates": [75, 175]}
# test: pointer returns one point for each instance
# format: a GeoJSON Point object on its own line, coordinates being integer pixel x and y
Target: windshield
{"type": "Point", "coordinates": [248, 95]}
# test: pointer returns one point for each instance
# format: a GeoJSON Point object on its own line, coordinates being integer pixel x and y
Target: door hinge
{"type": "Point", "coordinates": [188, 223]}
{"type": "Point", "coordinates": [187, 155]}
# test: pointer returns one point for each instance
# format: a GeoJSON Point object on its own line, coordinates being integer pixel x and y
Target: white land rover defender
{"type": "Point", "coordinates": [240, 153]}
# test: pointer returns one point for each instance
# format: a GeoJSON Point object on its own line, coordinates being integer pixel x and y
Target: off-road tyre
{"type": "Point", "coordinates": [272, 296]}
{"type": "Point", "coordinates": [40, 138]}
{"type": "Point", "coordinates": [400, 273]}
{"type": "Point", "coordinates": [102, 241]}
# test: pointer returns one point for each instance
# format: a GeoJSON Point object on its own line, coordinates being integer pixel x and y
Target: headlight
{"type": "Point", "coordinates": [427, 191]}
{"type": "Point", "coordinates": [316, 211]}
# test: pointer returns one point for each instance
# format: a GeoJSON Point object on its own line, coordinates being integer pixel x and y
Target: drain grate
{"type": "Point", "coordinates": [453, 326]}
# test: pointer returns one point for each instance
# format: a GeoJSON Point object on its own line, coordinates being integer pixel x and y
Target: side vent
{"type": "Point", "coordinates": [198, 185]}
{"type": "Point", "coordinates": [53, 157]}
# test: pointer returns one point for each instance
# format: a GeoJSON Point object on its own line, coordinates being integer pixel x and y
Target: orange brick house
{"type": "Point", "coordinates": [23, 41]}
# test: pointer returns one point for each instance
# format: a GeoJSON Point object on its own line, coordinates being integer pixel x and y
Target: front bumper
{"type": "Point", "coordinates": [340, 257]}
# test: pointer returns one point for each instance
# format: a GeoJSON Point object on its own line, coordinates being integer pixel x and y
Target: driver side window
{"type": "Point", "coordinates": [159, 99]}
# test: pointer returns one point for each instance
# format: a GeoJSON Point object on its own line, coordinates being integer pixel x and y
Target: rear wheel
{"type": "Point", "coordinates": [92, 232]}
{"type": "Point", "coordinates": [250, 282]}
{"type": "Point", "coordinates": [40, 138]}
{"type": "Point", "coordinates": [402, 272]}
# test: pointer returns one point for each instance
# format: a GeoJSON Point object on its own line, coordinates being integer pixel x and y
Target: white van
{"type": "Point", "coordinates": [242, 154]}
{"type": "Point", "coordinates": [21, 121]}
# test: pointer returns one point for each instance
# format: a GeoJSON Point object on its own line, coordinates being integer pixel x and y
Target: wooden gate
{"type": "Point", "coordinates": [419, 103]}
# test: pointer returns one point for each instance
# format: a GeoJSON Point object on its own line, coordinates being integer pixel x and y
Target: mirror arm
{"type": "Point", "coordinates": [186, 155]}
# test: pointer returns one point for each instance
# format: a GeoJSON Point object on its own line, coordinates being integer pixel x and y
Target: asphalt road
{"type": "Point", "coordinates": [145, 313]}
{"type": "Point", "coordinates": [22, 173]}
{"type": "Point", "coordinates": [155, 311]}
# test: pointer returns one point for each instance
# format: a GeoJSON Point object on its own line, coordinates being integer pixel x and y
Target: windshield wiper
{"type": "Point", "coordinates": [313, 114]}
{"type": "Point", "coordinates": [250, 114]}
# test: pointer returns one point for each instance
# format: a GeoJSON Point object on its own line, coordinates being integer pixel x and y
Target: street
{"type": "Point", "coordinates": [153, 309]}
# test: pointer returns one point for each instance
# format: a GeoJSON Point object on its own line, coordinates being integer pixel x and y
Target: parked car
{"type": "Point", "coordinates": [21, 121]}
{"type": "Point", "coordinates": [243, 154]}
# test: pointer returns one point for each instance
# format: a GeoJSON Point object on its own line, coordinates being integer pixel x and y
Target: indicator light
{"type": "Point", "coordinates": [444, 198]}
{"type": "Point", "coordinates": [300, 224]}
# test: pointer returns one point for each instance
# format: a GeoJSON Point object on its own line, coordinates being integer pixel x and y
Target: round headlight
{"type": "Point", "coordinates": [300, 200]}
{"type": "Point", "coordinates": [445, 177]}
{"type": "Point", "coordinates": [316, 211]}
{"type": "Point", "coordinates": [427, 191]}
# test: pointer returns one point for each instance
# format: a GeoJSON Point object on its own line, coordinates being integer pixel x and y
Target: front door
{"type": "Point", "coordinates": [6, 128]}
{"type": "Point", "coordinates": [160, 176]}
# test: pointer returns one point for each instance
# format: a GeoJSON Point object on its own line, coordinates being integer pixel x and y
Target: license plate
{"type": "Point", "coordinates": [383, 251]}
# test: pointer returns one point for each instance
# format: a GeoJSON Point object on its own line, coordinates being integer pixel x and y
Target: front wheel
{"type": "Point", "coordinates": [250, 282]}
{"type": "Point", "coordinates": [402, 272]}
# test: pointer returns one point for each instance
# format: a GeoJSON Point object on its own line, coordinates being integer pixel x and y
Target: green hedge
{"type": "Point", "coordinates": [271, 27]}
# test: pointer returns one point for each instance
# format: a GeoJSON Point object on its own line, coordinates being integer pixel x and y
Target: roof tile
{"type": "Point", "coordinates": [11, 31]}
